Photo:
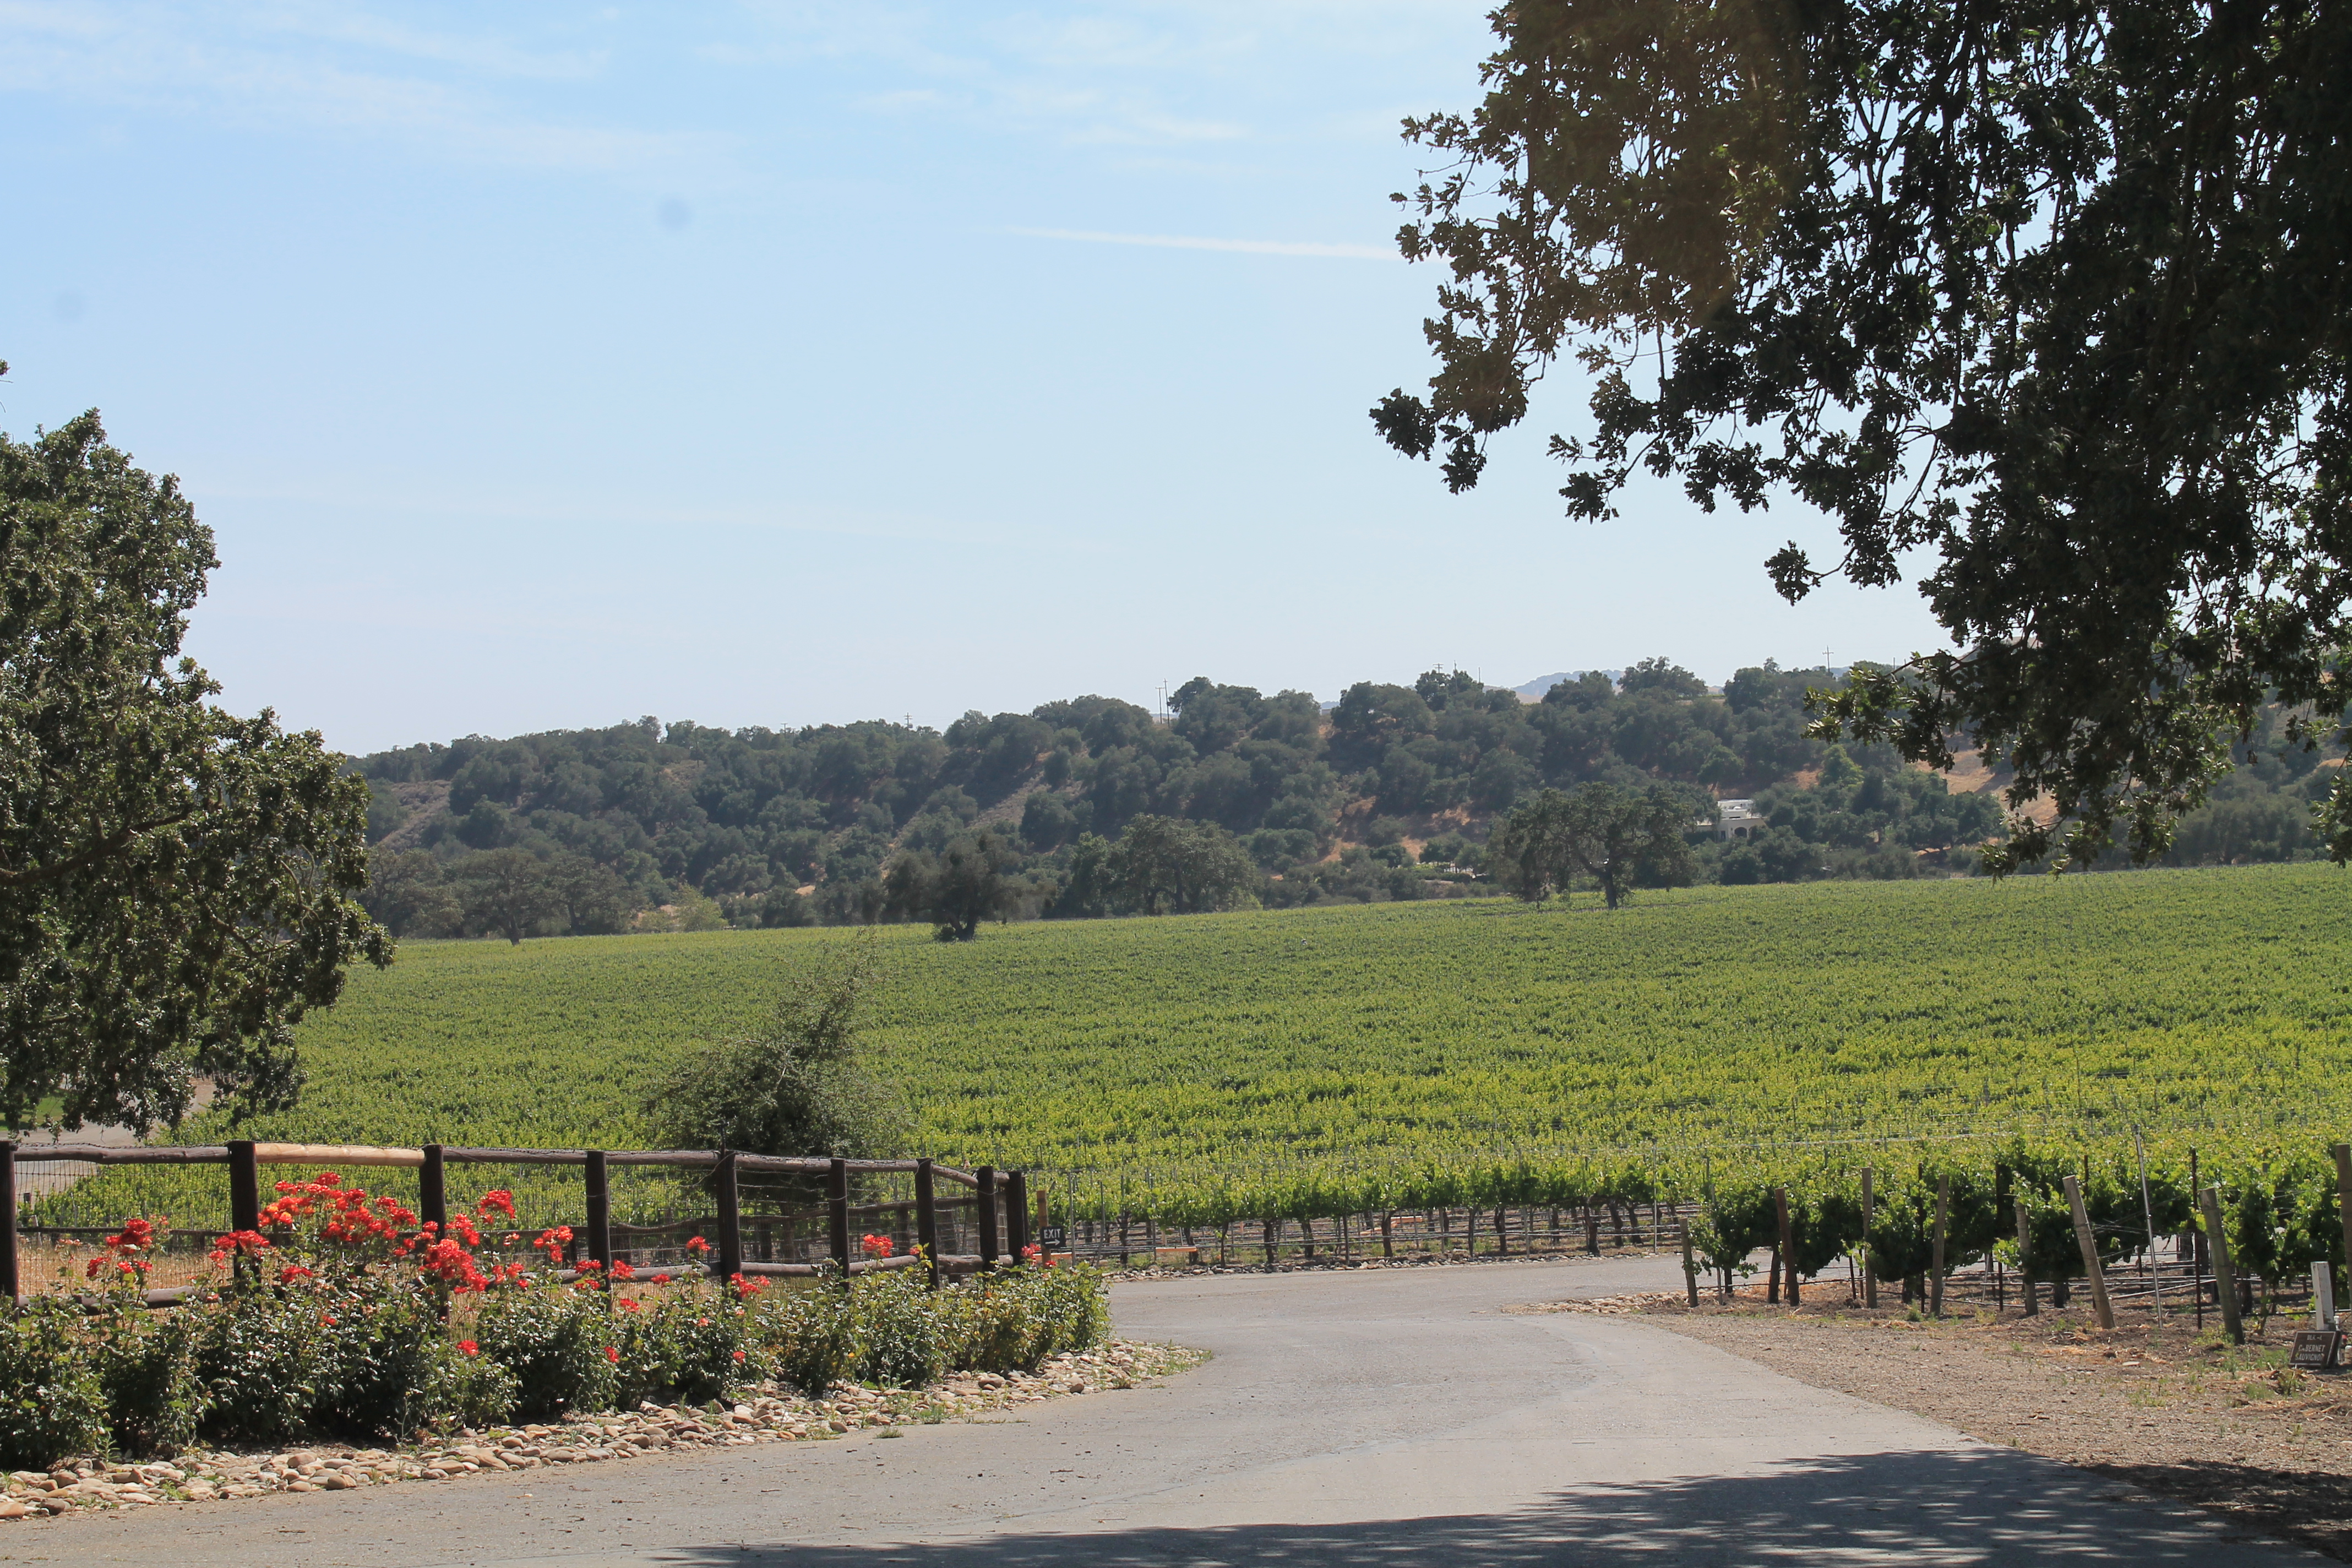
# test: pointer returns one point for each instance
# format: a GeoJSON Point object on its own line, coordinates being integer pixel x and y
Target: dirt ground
{"type": "Point", "coordinates": [2158, 1404]}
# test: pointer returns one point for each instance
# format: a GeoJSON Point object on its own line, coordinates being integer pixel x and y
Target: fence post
{"type": "Point", "coordinates": [2225, 1278]}
{"type": "Point", "coordinates": [2084, 1239]}
{"type": "Point", "coordinates": [1869, 1273]}
{"type": "Point", "coordinates": [730, 1258]}
{"type": "Point", "coordinates": [9, 1286]}
{"type": "Point", "coordinates": [927, 1219]}
{"type": "Point", "coordinates": [600, 1210]}
{"type": "Point", "coordinates": [836, 1204]}
{"type": "Point", "coordinates": [1016, 1214]}
{"type": "Point", "coordinates": [243, 1197]}
{"type": "Point", "coordinates": [433, 1190]}
{"type": "Point", "coordinates": [2025, 1259]}
{"type": "Point", "coordinates": [1943, 1218]}
{"type": "Point", "coordinates": [988, 1247]}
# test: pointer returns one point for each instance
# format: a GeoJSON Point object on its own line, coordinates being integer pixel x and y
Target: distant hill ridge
{"type": "Point", "coordinates": [1388, 794]}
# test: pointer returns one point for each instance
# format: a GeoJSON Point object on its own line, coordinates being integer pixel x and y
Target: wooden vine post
{"type": "Point", "coordinates": [2148, 1218]}
{"type": "Point", "coordinates": [2225, 1278]}
{"type": "Point", "coordinates": [1936, 1258]}
{"type": "Point", "coordinates": [1787, 1258]}
{"type": "Point", "coordinates": [2025, 1259]}
{"type": "Point", "coordinates": [2090, 1246]}
{"type": "Point", "coordinates": [1690, 1267]}
{"type": "Point", "coordinates": [1869, 1269]}
{"type": "Point", "coordinates": [2197, 1252]}
{"type": "Point", "coordinates": [2343, 1153]}
{"type": "Point", "coordinates": [926, 1221]}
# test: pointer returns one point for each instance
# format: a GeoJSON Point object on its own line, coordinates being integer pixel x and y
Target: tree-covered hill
{"type": "Point", "coordinates": [1239, 795]}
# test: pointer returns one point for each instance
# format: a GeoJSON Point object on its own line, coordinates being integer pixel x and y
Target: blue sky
{"type": "Point", "coordinates": [539, 366]}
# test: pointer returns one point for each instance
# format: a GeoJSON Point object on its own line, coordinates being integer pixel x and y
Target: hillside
{"type": "Point", "coordinates": [1388, 796]}
{"type": "Point", "coordinates": [1255, 1045]}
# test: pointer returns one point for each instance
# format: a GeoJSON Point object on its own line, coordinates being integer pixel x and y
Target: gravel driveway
{"type": "Point", "coordinates": [1363, 1417]}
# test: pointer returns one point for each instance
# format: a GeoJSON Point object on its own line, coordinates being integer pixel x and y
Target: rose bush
{"type": "Point", "coordinates": [341, 1315]}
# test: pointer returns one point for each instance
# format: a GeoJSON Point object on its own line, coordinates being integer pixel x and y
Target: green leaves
{"type": "Point", "coordinates": [2053, 294]}
{"type": "Point", "coordinates": [178, 885]}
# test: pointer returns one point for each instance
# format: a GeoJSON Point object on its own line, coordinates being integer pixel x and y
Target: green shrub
{"type": "Point", "coordinates": [466, 1388]}
{"type": "Point", "coordinates": [559, 1344]}
{"type": "Point", "coordinates": [1016, 1318]}
{"type": "Point", "coordinates": [808, 1338]}
{"type": "Point", "coordinates": [387, 1363]}
{"type": "Point", "coordinates": [261, 1359]}
{"type": "Point", "coordinates": [52, 1402]}
{"type": "Point", "coordinates": [146, 1363]}
{"type": "Point", "coordinates": [688, 1347]}
{"type": "Point", "coordinates": [899, 1333]}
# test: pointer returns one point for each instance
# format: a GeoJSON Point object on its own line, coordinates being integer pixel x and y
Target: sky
{"type": "Point", "coordinates": [538, 365]}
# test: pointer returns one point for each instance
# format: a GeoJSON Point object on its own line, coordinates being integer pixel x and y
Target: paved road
{"type": "Point", "coordinates": [1380, 1418]}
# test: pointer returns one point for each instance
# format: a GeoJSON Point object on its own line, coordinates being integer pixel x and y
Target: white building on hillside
{"type": "Point", "coordinates": [1737, 819]}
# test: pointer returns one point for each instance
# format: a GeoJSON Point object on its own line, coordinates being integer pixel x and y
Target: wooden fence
{"type": "Point", "coordinates": [1001, 1198]}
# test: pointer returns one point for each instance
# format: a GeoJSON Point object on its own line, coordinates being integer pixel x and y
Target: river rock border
{"type": "Point", "coordinates": [770, 1416]}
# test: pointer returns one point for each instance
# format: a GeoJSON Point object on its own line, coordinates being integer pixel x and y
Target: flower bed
{"type": "Point", "coordinates": [775, 1416]}
{"type": "Point", "coordinates": [342, 1317]}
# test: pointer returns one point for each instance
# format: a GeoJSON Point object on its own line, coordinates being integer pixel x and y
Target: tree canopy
{"type": "Point", "coordinates": [2056, 292]}
{"type": "Point", "coordinates": [178, 885]}
{"type": "Point", "coordinates": [1620, 838]}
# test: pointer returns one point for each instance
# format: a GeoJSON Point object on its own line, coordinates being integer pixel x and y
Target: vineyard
{"type": "Point", "coordinates": [1335, 1060]}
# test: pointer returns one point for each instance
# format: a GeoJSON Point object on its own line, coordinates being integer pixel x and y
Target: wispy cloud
{"type": "Point", "coordinates": [1098, 72]}
{"type": "Point", "coordinates": [330, 67]}
{"type": "Point", "coordinates": [1195, 242]}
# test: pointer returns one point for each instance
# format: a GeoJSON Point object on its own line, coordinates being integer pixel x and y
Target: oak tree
{"type": "Point", "coordinates": [2056, 292]}
{"type": "Point", "coordinates": [178, 886]}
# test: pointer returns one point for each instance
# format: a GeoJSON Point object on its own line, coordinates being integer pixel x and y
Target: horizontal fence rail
{"type": "Point", "coordinates": [994, 1219]}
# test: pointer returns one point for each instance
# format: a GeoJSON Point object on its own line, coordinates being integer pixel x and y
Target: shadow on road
{"type": "Point", "coordinates": [1923, 1507]}
{"type": "Point", "coordinates": [2309, 1506]}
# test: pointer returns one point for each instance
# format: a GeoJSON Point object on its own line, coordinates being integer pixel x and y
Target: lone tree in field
{"type": "Point", "coordinates": [2058, 293]}
{"type": "Point", "coordinates": [1165, 863]}
{"type": "Point", "coordinates": [956, 889]}
{"type": "Point", "coordinates": [506, 892]}
{"type": "Point", "coordinates": [800, 1085]}
{"type": "Point", "coordinates": [178, 886]}
{"type": "Point", "coordinates": [1618, 838]}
